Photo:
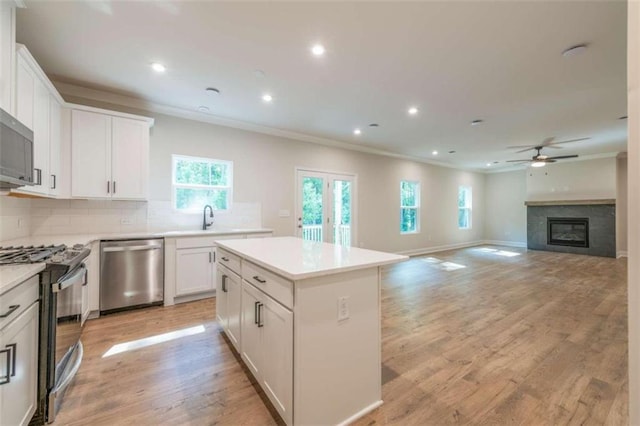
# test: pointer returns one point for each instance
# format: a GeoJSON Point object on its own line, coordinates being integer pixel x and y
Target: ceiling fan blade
{"type": "Point", "coordinates": [560, 157]}
{"type": "Point", "coordinates": [570, 140]}
{"type": "Point", "coordinates": [526, 149]}
{"type": "Point", "coordinates": [517, 161]}
{"type": "Point", "coordinates": [548, 141]}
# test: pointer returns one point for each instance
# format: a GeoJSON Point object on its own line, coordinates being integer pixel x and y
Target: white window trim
{"type": "Point", "coordinates": [416, 207]}
{"type": "Point", "coordinates": [174, 185]}
{"type": "Point", "coordinates": [468, 205]}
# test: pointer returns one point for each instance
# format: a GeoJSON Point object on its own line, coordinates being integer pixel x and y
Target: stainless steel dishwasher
{"type": "Point", "coordinates": [131, 274]}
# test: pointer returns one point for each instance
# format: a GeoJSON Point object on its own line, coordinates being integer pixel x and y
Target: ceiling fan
{"type": "Point", "coordinates": [540, 160]}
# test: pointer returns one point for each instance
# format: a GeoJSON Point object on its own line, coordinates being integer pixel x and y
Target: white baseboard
{"type": "Point", "coordinates": [435, 249]}
{"type": "Point", "coordinates": [521, 244]}
{"type": "Point", "coordinates": [621, 253]}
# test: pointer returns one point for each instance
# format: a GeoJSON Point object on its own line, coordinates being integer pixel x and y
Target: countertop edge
{"type": "Point", "coordinates": [30, 270]}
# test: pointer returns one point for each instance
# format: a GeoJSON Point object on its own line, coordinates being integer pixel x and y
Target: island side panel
{"type": "Point", "coordinates": [337, 370]}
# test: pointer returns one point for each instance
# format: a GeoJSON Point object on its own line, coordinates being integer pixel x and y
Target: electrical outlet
{"type": "Point", "coordinates": [343, 308]}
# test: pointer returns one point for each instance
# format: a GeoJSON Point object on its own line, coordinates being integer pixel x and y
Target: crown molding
{"type": "Point", "coordinates": [88, 93]}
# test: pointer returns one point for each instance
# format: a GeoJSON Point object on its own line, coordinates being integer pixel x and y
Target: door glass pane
{"type": "Point", "coordinates": [312, 208]}
{"type": "Point", "coordinates": [342, 212]}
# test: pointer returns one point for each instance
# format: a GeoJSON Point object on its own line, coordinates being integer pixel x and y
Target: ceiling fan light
{"type": "Point", "coordinates": [538, 164]}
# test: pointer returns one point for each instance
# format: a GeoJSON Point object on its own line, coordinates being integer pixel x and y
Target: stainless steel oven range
{"type": "Point", "coordinates": [60, 348]}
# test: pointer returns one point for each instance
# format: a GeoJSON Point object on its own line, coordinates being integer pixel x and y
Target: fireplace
{"type": "Point", "coordinates": [565, 231]}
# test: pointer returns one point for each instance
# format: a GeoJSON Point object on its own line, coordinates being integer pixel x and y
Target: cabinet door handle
{"type": "Point", "coordinates": [209, 257]}
{"type": "Point", "coordinates": [255, 312]}
{"type": "Point", "coordinates": [114, 186]}
{"type": "Point", "coordinates": [260, 323]}
{"type": "Point", "coordinates": [214, 257]}
{"type": "Point", "coordinates": [13, 349]}
{"type": "Point", "coordinates": [260, 280]}
{"type": "Point", "coordinates": [6, 377]}
{"type": "Point", "coordinates": [39, 174]}
{"type": "Point", "coordinates": [54, 181]}
{"type": "Point", "coordinates": [108, 187]}
{"type": "Point", "coordinates": [224, 283]}
{"type": "Point", "coordinates": [12, 308]}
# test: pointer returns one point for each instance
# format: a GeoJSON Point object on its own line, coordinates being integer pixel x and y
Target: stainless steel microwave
{"type": "Point", "coordinates": [16, 153]}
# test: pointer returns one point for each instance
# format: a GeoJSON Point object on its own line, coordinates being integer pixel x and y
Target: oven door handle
{"type": "Point", "coordinates": [132, 248]}
{"type": "Point", "coordinates": [75, 277]}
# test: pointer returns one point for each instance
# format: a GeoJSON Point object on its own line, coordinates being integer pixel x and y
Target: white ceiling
{"type": "Point", "coordinates": [457, 61]}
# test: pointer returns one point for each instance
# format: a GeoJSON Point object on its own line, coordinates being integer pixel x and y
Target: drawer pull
{"type": "Point", "coordinates": [226, 259]}
{"type": "Point", "coordinates": [12, 308]}
{"type": "Point", "coordinates": [260, 280]}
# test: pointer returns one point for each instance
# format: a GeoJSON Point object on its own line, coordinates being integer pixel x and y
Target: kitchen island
{"type": "Point", "coordinates": [305, 318]}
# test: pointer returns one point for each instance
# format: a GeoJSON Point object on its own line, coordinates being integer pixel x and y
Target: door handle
{"type": "Point", "coordinates": [39, 173]}
{"type": "Point", "coordinates": [209, 257]}
{"type": "Point", "coordinates": [260, 305]}
{"type": "Point", "coordinates": [108, 187]}
{"type": "Point", "coordinates": [224, 283]}
{"type": "Point", "coordinates": [54, 181]}
{"type": "Point", "coordinates": [13, 349]}
{"type": "Point", "coordinates": [6, 377]}
{"type": "Point", "coordinates": [255, 312]}
{"type": "Point", "coordinates": [114, 186]}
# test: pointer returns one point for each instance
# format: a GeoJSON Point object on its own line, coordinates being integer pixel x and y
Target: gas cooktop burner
{"type": "Point", "coordinates": [34, 254]}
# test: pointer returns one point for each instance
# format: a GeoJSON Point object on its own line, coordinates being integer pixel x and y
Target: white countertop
{"type": "Point", "coordinates": [297, 259]}
{"type": "Point", "coordinates": [84, 239]}
{"type": "Point", "coordinates": [12, 275]}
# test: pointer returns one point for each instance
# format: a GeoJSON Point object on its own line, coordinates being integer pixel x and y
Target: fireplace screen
{"type": "Point", "coordinates": [568, 232]}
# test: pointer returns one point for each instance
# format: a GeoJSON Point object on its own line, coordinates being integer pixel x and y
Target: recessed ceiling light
{"type": "Point", "coordinates": [212, 91]}
{"type": "Point", "coordinates": [434, 152]}
{"type": "Point", "coordinates": [574, 50]}
{"type": "Point", "coordinates": [488, 164]}
{"type": "Point", "coordinates": [624, 117]}
{"type": "Point", "coordinates": [158, 67]}
{"type": "Point", "coordinates": [413, 111]}
{"type": "Point", "coordinates": [476, 122]}
{"type": "Point", "coordinates": [357, 131]}
{"type": "Point", "coordinates": [318, 50]}
{"type": "Point", "coordinates": [267, 97]}
{"type": "Point", "coordinates": [203, 108]}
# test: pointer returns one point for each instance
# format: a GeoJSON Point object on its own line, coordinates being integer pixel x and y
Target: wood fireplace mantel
{"type": "Point", "coordinates": [571, 202]}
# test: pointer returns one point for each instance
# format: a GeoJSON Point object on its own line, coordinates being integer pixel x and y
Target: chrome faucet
{"type": "Point", "coordinates": [206, 224]}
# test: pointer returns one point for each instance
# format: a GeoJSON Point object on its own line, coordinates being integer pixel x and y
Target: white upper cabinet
{"type": "Point", "coordinates": [7, 54]}
{"type": "Point", "coordinates": [109, 154]}
{"type": "Point", "coordinates": [38, 107]}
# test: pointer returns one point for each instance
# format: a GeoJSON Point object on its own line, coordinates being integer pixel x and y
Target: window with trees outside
{"type": "Point", "coordinates": [464, 207]}
{"type": "Point", "coordinates": [200, 181]}
{"type": "Point", "coordinates": [409, 207]}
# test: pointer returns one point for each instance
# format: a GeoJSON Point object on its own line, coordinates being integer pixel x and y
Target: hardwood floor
{"type": "Point", "coordinates": [473, 336]}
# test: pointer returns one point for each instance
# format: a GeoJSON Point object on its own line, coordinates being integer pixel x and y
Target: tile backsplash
{"type": "Point", "coordinates": [15, 217]}
{"type": "Point", "coordinates": [39, 216]}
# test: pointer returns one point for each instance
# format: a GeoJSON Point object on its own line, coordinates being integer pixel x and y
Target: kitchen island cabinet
{"type": "Point", "coordinates": [310, 325]}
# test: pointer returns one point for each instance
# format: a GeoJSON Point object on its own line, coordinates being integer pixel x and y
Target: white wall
{"type": "Point", "coordinates": [621, 204]}
{"type": "Point", "coordinates": [505, 212]}
{"type": "Point", "coordinates": [573, 180]}
{"type": "Point", "coordinates": [633, 181]}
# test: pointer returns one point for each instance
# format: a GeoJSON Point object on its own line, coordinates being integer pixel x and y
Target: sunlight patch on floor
{"type": "Point", "coordinates": [504, 253]}
{"type": "Point", "coordinates": [153, 340]}
{"type": "Point", "coordinates": [445, 266]}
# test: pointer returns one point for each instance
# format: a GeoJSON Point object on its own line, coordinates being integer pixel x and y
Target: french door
{"type": "Point", "coordinates": [325, 207]}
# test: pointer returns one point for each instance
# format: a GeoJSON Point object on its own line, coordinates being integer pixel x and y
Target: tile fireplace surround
{"type": "Point", "coordinates": [602, 225]}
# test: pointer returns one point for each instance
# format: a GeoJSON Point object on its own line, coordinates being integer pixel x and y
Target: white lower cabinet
{"type": "Point", "coordinates": [228, 306]}
{"type": "Point", "coordinates": [267, 347]}
{"type": "Point", "coordinates": [195, 270]}
{"type": "Point", "coordinates": [19, 368]}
